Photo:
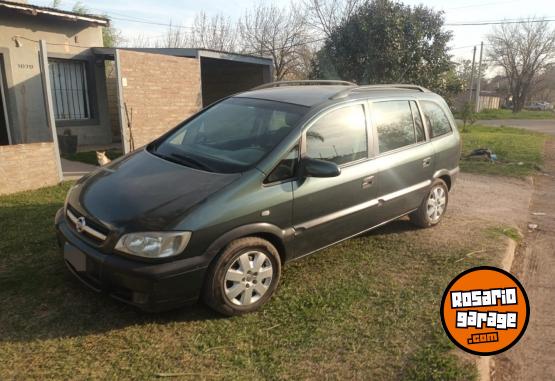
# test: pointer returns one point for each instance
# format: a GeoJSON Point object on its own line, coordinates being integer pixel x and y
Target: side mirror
{"type": "Point", "coordinates": [319, 168]}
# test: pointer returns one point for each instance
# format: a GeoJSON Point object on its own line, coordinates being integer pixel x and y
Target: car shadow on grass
{"type": "Point", "coordinates": [401, 225]}
{"type": "Point", "coordinates": [63, 308]}
{"type": "Point", "coordinates": [41, 300]}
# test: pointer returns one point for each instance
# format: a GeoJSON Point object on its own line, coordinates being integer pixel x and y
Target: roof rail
{"type": "Point", "coordinates": [304, 83]}
{"type": "Point", "coordinates": [401, 86]}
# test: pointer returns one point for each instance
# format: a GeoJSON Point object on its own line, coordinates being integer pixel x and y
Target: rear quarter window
{"type": "Point", "coordinates": [394, 124]}
{"type": "Point", "coordinates": [436, 119]}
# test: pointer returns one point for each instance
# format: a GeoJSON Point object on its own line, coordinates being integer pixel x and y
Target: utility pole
{"type": "Point", "coordinates": [472, 76]}
{"type": "Point", "coordinates": [479, 78]}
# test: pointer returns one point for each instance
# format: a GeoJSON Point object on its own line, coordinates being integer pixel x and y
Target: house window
{"type": "Point", "coordinates": [69, 89]}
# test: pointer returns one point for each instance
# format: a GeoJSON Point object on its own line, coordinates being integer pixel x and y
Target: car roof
{"type": "Point", "coordinates": [313, 95]}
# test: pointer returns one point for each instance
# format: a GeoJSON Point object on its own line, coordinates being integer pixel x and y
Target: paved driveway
{"type": "Point", "coordinates": [74, 170]}
{"type": "Point", "coordinates": [547, 126]}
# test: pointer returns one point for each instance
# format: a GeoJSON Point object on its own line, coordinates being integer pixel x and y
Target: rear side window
{"type": "Point", "coordinates": [339, 136]}
{"type": "Point", "coordinates": [418, 125]}
{"type": "Point", "coordinates": [394, 123]}
{"type": "Point", "coordinates": [436, 119]}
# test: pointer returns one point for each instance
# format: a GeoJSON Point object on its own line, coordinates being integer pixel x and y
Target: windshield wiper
{"type": "Point", "coordinates": [188, 160]}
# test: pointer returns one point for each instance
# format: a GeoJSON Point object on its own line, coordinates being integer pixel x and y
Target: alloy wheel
{"type": "Point", "coordinates": [248, 278]}
{"type": "Point", "coordinates": [436, 203]}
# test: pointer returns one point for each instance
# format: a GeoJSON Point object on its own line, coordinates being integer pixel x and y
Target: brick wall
{"type": "Point", "coordinates": [160, 91]}
{"type": "Point", "coordinates": [27, 166]}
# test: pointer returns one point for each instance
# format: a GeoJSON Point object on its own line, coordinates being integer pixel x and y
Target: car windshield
{"type": "Point", "coordinates": [231, 136]}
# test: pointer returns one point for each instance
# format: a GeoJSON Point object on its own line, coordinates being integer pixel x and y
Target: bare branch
{"type": "Point", "coordinates": [524, 51]}
{"type": "Point", "coordinates": [276, 32]}
{"type": "Point", "coordinates": [326, 15]}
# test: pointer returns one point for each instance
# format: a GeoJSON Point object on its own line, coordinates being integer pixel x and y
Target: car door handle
{"type": "Point", "coordinates": [367, 182]}
{"type": "Point", "coordinates": [426, 162]}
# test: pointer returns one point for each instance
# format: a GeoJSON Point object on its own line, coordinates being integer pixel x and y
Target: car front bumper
{"type": "Point", "coordinates": [150, 286]}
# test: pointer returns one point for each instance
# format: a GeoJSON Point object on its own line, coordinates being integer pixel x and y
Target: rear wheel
{"type": "Point", "coordinates": [244, 277]}
{"type": "Point", "coordinates": [433, 206]}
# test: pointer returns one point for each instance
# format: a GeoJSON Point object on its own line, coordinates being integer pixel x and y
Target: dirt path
{"type": "Point", "coordinates": [533, 358]}
{"type": "Point", "coordinates": [546, 126]}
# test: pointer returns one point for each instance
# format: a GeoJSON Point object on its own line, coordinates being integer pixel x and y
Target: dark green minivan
{"type": "Point", "coordinates": [215, 207]}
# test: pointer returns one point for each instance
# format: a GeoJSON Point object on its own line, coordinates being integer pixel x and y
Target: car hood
{"type": "Point", "coordinates": [144, 192]}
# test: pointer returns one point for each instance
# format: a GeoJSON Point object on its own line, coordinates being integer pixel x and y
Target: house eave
{"type": "Point", "coordinates": [35, 11]}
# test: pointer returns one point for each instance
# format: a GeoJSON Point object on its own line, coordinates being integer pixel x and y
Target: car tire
{"type": "Point", "coordinates": [433, 207]}
{"type": "Point", "coordinates": [243, 277]}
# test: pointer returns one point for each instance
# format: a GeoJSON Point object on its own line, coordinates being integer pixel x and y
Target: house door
{"type": "Point", "coordinates": [4, 129]}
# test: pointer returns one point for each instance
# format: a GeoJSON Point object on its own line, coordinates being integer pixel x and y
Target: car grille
{"type": "Point", "coordinates": [86, 226]}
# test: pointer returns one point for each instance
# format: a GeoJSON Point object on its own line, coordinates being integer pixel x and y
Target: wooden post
{"type": "Point", "coordinates": [479, 78]}
{"type": "Point", "coordinates": [471, 85]}
{"type": "Point", "coordinates": [49, 107]}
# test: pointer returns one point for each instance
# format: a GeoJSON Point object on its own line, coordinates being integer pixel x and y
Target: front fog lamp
{"type": "Point", "coordinates": [154, 244]}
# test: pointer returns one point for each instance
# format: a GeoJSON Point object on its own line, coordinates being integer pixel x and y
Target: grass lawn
{"type": "Point", "coordinates": [508, 114]}
{"type": "Point", "coordinates": [519, 152]}
{"type": "Point", "coordinates": [89, 157]}
{"type": "Point", "coordinates": [367, 308]}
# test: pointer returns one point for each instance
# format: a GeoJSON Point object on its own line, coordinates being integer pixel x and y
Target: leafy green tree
{"type": "Point", "coordinates": [80, 8]}
{"type": "Point", "coordinates": [111, 36]}
{"type": "Point", "coordinates": [388, 42]}
{"type": "Point", "coordinates": [467, 115]}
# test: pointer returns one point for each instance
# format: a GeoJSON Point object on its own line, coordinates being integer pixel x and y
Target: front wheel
{"type": "Point", "coordinates": [244, 277]}
{"type": "Point", "coordinates": [433, 206]}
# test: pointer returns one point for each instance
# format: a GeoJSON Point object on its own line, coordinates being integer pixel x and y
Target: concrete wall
{"type": "Point", "coordinates": [25, 91]}
{"type": "Point", "coordinates": [27, 166]}
{"type": "Point", "coordinates": [160, 91]}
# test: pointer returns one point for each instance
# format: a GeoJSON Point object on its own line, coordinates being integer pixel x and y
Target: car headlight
{"type": "Point", "coordinates": [154, 244]}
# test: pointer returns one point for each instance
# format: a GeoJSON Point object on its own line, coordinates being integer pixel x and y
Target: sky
{"type": "Point", "coordinates": [182, 12]}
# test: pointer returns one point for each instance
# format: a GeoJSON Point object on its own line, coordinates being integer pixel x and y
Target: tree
{"type": "Point", "coordinates": [80, 8]}
{"type": "Point", "coordinates": [544, 87]}
{"type": "Point", "coordinates": [326, 15]}
{"type": "Point", "coordinates": [524, 51]}
{"type": "Point", "coordinates": [175, 37]}
{"type": "Point", "coordinates": [216, 32]}
{"type": "Point", "coordinates": [267, 30]}
{"type": "Point", "coordinates": [463, 69]}
{"type": "Point", "coordinates": [111, 36]}
{"type": "Point", "coordinates": [388, 42]}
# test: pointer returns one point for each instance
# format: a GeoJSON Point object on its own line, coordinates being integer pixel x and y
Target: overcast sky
{"type": "Point", "coordinates": [182, 12]}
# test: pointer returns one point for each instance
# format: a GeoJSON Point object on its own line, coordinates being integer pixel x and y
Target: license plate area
{"type": "Point", "coordinates": [75, 257]}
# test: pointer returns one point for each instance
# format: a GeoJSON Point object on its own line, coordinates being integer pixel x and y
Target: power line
{"type": "Point", "coordinates": [462, 47]}
{"type": "Point", "coordinates": [500, 22]}
{"type": "Point", "coordinates": [478, 5]}
{"type": "Point", "coordinates": [152, 23]}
